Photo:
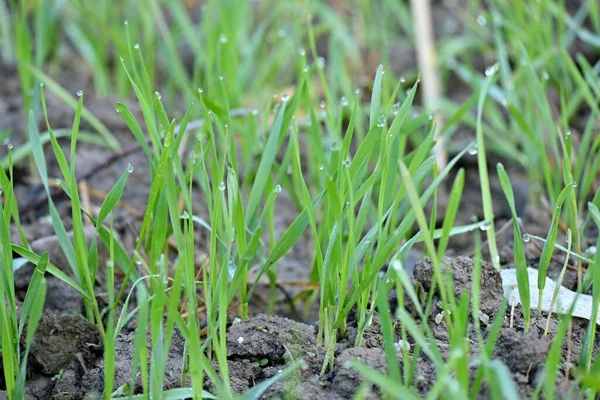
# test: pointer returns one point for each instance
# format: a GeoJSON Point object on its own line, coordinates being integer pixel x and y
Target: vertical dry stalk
{"type": "Point", "coordinates": [430, 76]}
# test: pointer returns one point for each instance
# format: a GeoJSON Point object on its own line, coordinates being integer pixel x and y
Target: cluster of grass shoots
{"type": "Point", "coordinates": [368, 177]}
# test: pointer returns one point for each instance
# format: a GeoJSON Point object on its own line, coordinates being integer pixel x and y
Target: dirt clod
{"type": "Point", "coordinates": [462, 270]}
{"type": "Point", "coordinates": [60, 340]}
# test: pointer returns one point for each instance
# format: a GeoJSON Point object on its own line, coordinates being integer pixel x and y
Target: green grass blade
{"type": "Point", "coordinates": [519, 251]}
{"type": "Point", "coordinates": [488, 211]}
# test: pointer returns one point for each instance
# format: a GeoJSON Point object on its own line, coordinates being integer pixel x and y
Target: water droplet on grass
{"type": "Point", "coordinates": [491, 70]}
{"type": "Point", "coordinates": [321, 167]}
{"type": "Point", "coordinates": [222, 186]}
{"type": "Point", "coordinates": [302, 52]}
{"type": "Point", "coordinates": [574, 184]}
{"type": "Point", "coordinates": [344, 101]}
{"type": "Point", "coordinates": [200, 90]}
{"type": "Point", "coordinates": [526, 237]}
{"type": "Point", "coordinates": [473, 150]}
{"type": "Point", "coordinates": [485, 226]}
{"type": "Point", "coordinates": [223, 38]}
{"type": "Point", "coordinates": [136, 46]}
{"type": "Point", "coordinates": [285, 98]}
{"type": "Point", "coordinates": [9, 146]}
{"type": "Point", "coordinates": [79, 93]}
{"type": "Point", "coordinates": [481, 20]}
{"type": "Point", "coordinates": [321, 63]}
{"type": "Point", "coordinates": [277, 189]}
{"type": "Point", "coordinates": [402, 79]}
{"type": "Point", "coordinates": [130, 168]}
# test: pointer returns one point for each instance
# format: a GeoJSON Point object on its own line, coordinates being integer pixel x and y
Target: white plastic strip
{"type": "Point", "coordinates": [564, 300]}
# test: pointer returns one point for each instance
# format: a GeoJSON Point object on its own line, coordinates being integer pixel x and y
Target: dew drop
{"type": "Point", "coordinates": [485, 226]}
{"type": "Point", "coordinates": [321, 63]}
{"type": "Point", "coordinates": [130, 168]}
{"type": "Point", "coordinates": [473, 150]}
{"type": "Point", "coordinates": [222, 186]}
{"type": "Point", "coordinates": [321, 167]}
{"type": "Point", "coordinates": [9, 146]}
{"type": "Point", "coordinates": [335, 146]}
{"type": "Point", "coordinates": [288, 170]}
{"type": "Point", "coordinates": [79, 93]}
{"type": "Point", "coordinates": [223, 38]}
{"type": "Point", "coordinates": [347, 163]}
{"type": "Point", "coordinates": [254, 111]}
{"type": "Point", "coordinates": [158, 95]}
{"type": "Point", "coordinates": [126, 22]}
{"type": "Point", "coordinates": [41, 84]}
{"type": "Point", "coordinates": [402, 79]}
{"type": "Point", "coordinates": [381, 121]}
{"type": "Point", "coordinates": [58, 182]}
{"type": "Point", "coordinates": [481, 20]}
{"type": "Point", "coordinates": [489, 71]}
{"type": "Point", "coordinates": [574, 184]}
{"type": "Point", "coordinates": [568, 132]}
{"type": "Point", "coordinates": [302, 52]}
{"type": "Point", "coordinates": [285, 98]}
{"type": "Point", "coordinates": [545, 75]}
{"type": "Point", "coordinates": [220, 78]}
{"type": "Point", "coordinates": [305, 69]}
{"type": "Point", "coordinates": [322, 104]}
{"type": "Point", "coordinates": [526, 237]}
{"type": "Point", "coordinates": [136, 46]}
{"type": "Point", "coordinates": [357, 91]}
{"type": "Point", "coordinates": [277, 189]}
{"type": "Point", "coordinates": [344, 101]}
{"type": "Point", "coordinates": [200, 90]}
